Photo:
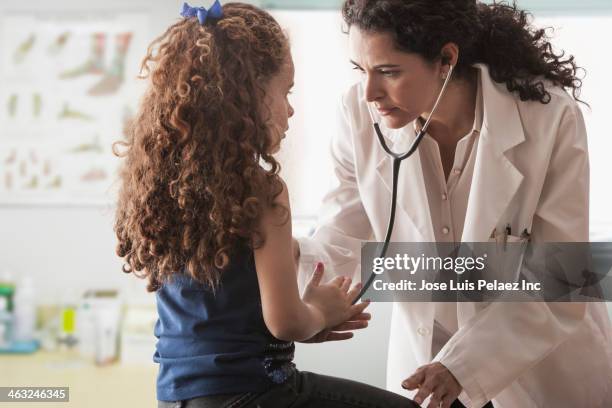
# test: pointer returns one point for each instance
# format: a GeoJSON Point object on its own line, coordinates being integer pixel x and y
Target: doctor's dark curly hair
{"type": "Point", "coordinates": [498, 35]}
{"type": "Point", "coordinates": [197, 172]}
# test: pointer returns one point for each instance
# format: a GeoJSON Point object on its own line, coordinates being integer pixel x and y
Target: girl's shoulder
{"type": "Point", "coordinates": [283, 197]}
{"type": "Point", "coordinates": [280, 211]}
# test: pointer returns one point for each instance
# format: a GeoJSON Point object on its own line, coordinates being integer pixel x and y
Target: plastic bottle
{"type": "Point", "coordinates": [68, 317]}
{"type": "Point", "coordinates": [6, 320]}
{"type": "Point", "coordinates": [7, 290]}
{"type": "Point", "coordinates": [85, 328]}
{"type": "Point", "coordinates": [25, 311]}
{"type": "Point", "coordinates": [107, 326]}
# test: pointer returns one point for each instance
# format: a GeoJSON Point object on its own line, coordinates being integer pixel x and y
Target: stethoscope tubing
{"type": "Point", "coordinates": [397, 162]}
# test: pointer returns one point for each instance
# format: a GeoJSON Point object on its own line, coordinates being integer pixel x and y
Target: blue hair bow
{"type": "Point", "coordinates": [215, 11]}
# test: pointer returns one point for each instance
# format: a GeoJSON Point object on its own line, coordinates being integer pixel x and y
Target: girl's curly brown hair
{"type": "Point", "coordinates": [197, 172]}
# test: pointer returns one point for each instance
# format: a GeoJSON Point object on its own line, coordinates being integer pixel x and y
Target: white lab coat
{"type": "Point", "coordinates": [531, 171]}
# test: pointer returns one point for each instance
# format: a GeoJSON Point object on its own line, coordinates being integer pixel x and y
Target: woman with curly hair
{"type": "Point", "coordinates": [503, 159]}
{"type": "Point", "coordinates": [204, 216]}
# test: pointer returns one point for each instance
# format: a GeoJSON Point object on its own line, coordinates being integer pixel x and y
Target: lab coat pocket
{"type": "Point", "coordinates": [504, 260]}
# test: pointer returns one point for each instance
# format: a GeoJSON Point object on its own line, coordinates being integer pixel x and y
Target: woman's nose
{"type": "Point", "coordinates": [373, 92]}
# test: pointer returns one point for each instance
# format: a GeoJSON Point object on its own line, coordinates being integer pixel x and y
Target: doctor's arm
{"type": "Point", "coordinates": [342, 224]}
{"type": "Point", "coordinates": [506, 339]}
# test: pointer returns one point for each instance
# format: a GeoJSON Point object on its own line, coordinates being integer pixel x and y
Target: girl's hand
{"type": "Point", "coordinates": [343, 331]}
{"type": "Point", "coordinates": [332, 300]}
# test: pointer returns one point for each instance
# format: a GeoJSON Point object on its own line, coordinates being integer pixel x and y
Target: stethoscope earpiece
{"type": "Point", "coordinates": [448, 73]}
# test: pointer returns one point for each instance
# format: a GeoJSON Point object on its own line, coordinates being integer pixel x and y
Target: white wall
{"type": "Point", "coordinates": [73, 247]}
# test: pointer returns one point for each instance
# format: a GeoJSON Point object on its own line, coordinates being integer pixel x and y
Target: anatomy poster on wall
{"type": "Point", "coordinates": [68, 87]}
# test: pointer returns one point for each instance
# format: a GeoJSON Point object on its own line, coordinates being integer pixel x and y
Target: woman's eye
{"type": "Point", "coordinates": [388, 73]}
{"type": "Point", "coordinates": [358, 69]}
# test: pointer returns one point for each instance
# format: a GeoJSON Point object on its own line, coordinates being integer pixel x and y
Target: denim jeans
{"type": "Point", "coordinates": [458, 404]}
{"type": "Point", "coordinates": [306, 390]}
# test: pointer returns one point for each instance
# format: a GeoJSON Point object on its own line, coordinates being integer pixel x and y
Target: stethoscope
{"type": "Point", "coordinates": [397, 161]}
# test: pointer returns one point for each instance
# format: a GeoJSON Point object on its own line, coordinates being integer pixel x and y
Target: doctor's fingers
{"type": "Point", "coordinates": [438, 396]}
{"type": "Point", "coordinates": [424, 391]}
{"type": "Point", "coordinates": [415, 379]}
{"type": "Point", "coordinates": [447, 401]}
{"type": "Point", "coordinates": [433, 383]}
{"type": "Point", "coordinates": [443, 395]}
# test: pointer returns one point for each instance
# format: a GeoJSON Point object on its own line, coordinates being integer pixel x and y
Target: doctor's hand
{"type": "Point", "coordinates": [436, 380]}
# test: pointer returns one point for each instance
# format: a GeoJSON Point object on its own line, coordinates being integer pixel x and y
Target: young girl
{"type": "Point", "coordinates": [205, 217]}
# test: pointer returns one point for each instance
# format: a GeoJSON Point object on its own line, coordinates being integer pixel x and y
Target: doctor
{"type": "Point", "coordinates": [507, 145]}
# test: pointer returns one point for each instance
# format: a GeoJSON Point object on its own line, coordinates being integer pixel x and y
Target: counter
{"type": "Point", "coordinates": [116, 385]}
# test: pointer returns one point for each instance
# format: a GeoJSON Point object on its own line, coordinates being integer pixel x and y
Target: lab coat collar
{"type": "Point", "coordinates": [495, 179]}
{"type": "Point", "coordinates": [501, 121]}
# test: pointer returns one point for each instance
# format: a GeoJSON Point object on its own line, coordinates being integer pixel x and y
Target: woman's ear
{"type": "Point", "coordinates": [449, 54]}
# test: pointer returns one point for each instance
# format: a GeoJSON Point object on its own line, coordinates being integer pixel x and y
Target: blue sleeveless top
{"type": "Point", "coordinates": [217, 343]}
